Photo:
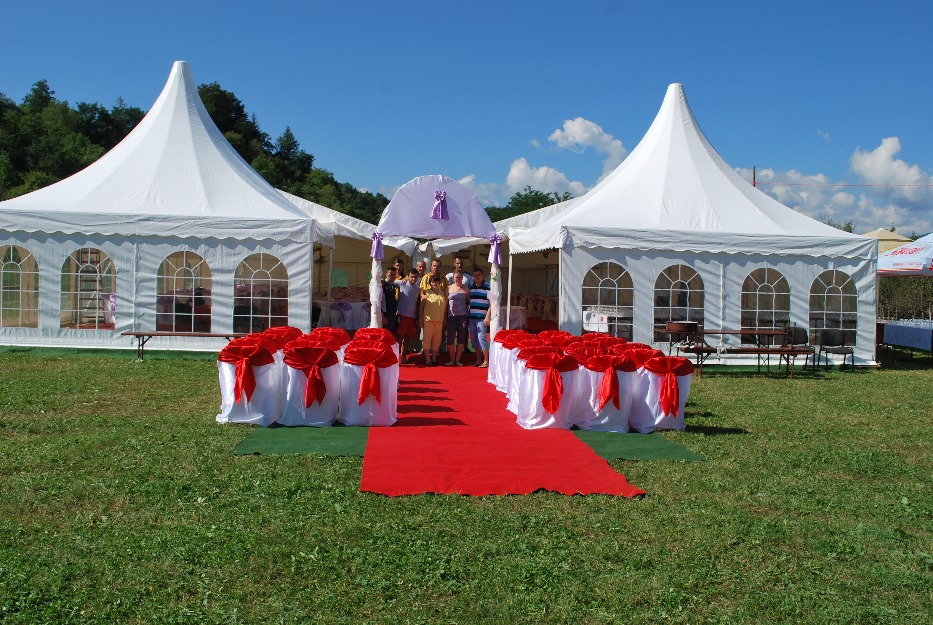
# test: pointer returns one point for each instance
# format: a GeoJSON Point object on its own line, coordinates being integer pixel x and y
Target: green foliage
{"type": "Point", "coordinates": [120, 502]}
{"type": "Point", "coordinates": [526, 201]}
{"type": "Point", "coordinates": [905, 297]}
{"type": "Point", "coordinates": [845, 227]}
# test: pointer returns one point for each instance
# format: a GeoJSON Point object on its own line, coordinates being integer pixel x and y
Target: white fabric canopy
{"type": "Point", "coordinates": [911, 259]}
{"type": "Point", "coordinates": [409, 212]}
{"type": "Point", "coordinates": [173, 185]}
{"type": "Point", "coordinates": [675, 201]}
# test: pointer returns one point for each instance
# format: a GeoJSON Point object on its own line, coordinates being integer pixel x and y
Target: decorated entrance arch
{"type": "Point", "coordinates": [435, 207]}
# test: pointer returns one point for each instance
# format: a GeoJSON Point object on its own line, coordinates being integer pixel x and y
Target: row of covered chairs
{"type": "Point", "coordinates": [595, 382]}
{"type": "Point", "coordinates": [287, 377]}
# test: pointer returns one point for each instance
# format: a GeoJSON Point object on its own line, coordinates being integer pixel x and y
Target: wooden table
{"type": "Point", "coordinates": [143, 337]}
{"type": "Point", "coordinates": [764, 347]}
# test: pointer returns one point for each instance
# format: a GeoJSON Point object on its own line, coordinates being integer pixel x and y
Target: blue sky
{"type": "Point", "coordinates": [551, 94]}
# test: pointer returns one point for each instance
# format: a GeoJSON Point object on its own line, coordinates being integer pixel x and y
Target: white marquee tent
{"type": "Point", "coordinates": [170, 230]}
{"type": "Point", "coordinates": [911, 259]}
{"type": "Point", "coordinates": [674, 233]}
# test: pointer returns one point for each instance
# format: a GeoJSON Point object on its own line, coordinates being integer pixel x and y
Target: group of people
{"type": "Point", "coordinates": [430, 305]}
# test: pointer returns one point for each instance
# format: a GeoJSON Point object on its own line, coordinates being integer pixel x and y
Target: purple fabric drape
{"type": "Point", "coordinates": [376, 251]}
{"type": "Point", "coordinates": [495, 253]}
{"type": "Point", "coordinates": [439, 211]}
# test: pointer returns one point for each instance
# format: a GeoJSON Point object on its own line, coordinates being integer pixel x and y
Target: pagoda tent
{"type": "Point", "coordinates": [887, 240]}
{"type": "Point", "coordinates": [170, 230]}
{"type": "Point", "coordinates": [675, 234]}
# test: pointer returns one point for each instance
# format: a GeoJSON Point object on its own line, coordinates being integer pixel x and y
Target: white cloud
{"type": "Point", "coordinates": [544, 178]}
{"type": "Point", "coordinates": [882, 202]}
{"type": "Point", "coordinates": [579, 134]}
{"type": "Point", "coordinates": [822, 134]}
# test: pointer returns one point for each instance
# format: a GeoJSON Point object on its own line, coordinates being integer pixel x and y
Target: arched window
{"type": "Point", "coordinates": [834, 304]}
{"type": "Point", "coordinates": [607, 300]}
{"type": "Point", "coordinates": [765, 301]}
{"type": "Point", "coordinates": [260, 298]}
{"type": "Point", "coordinates": [678, 296]}
{"type": "Point", "coordinates": [183, 299]}
{"type": "Point", "coordinates": [89, 291]}
{"type": "Point", "coordinates": [19, 288]}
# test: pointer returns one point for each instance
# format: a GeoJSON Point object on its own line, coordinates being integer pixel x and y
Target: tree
{"type": "Point", "coordinates": [845, 227]}
{"type": "Point", "coordinates": [526, 201]}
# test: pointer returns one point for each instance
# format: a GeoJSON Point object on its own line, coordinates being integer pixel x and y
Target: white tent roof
{"type": "Point", "coordinates": [409, 212]}
{"type": "Point", "coordinates": [346, 226]}
{"type": "Point", "coordinates": [674, 187]}
{"type": "Point", "coordinates": [174, 175]}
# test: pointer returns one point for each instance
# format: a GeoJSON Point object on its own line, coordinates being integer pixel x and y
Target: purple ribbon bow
{"type": "Point", "coordinates": [495, 254]}
{"type": "Point", "coordinates": [342, 308]}
{"type": "Point", "coordinates": [440, 206]}
{"type": "Point", "coordinates": [376, 251]}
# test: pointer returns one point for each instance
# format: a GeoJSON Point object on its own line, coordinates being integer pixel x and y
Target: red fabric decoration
{"type": "Point", "coordinates": [583, 351]}
{"type": "Point", "coordinates": [281, 335]}
{"type": "Point", "coordinates": [310, 360]}
{"type": "Point", "coordinates": [340, 333]}
{"type": "Point", "coordinates": [554, 363]}
{"type": "Point", "coordinates": [609, 386]}
{"type": "Point", "coordinates": [373, 343]}
{"type": "Point", "coordinates": [669, 367]}
{"type": "Point", "coordinates": [371, 359]}
{"type": "Point", "coordinates": [374, 334]}
{"type": "Point", "coordinates": [527, 351]}
{"type": "Point", "coordinates": [246, 352]}
{"type": "Point", "coordinates": [550, 335]}
{"type": "Point", "coordinates": [501, 335]}
{"type": "Point", "coordinates": [327, 341]}
{"type": "Point", "coordinates": [621, 348]}
{"type": "Point", "coordinates": [640, 356]}
{"type": "Point", "coordinates": [514, 340]}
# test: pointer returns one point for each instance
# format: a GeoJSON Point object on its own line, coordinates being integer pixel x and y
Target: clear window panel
{"type": "Point", "coordinates": [88, 291]}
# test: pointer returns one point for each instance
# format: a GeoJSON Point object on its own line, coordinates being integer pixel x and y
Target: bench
{"type": "Point", "coordinates": [788, 353]}
{"type": "Point", "coordinates": [143, 337]}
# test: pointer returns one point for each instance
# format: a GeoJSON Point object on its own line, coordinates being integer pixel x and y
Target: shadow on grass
{"type": "Point", "coordinates": [712, 430]}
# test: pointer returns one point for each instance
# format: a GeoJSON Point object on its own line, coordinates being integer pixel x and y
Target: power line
{"type": "Point", "coordinates": [835, 184]}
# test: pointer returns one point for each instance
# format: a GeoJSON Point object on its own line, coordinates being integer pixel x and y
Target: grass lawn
{"type": "Point", "coordinates": [120, 502]}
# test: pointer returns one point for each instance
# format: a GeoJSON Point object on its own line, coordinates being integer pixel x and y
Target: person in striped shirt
{"type": "Point", "coordinates": [479, 317]}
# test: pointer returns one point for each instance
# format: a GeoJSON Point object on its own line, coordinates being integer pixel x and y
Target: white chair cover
{"type": "Point", "coordinates": [647, 415]}
{"type": "Point", "coordinates": [264, 407]}
{"type": "Point", "coordinates": [317, 414]}
{"type": "Point", "coordinates": [531, 414]}
{"type": "Point", "coordinates": [370, 412]}
{"type": "Point", "coordinates": [610, 418]}
{"type": "Point", "coordinates": [640, 417]}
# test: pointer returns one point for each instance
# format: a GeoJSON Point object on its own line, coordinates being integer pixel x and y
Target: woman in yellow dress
{"type": "Point", "coordinates": [431, 318]}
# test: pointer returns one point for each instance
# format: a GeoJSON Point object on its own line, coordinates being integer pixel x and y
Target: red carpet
{"type": "Point", "coordinates": [454, 435]}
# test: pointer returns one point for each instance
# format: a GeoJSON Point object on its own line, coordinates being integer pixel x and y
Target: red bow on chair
{"type": "Point", "coordinates": [246, 353]}
{"type": "Point", "coordinates": [371, 359]}
{"type": "Point", "coordinates": [328, 341]}
{"type": "Point", "coordinates": [609, 386]}
{"type": "Point", "coordinates": [310, 360]}
{"type": "Point", "coordinates": [501, 335]}
{"type": "Point", "coordinates": [281, 335]}
{"type": "Point", "coordinates": [621, 348]}
{"type": "Point", "coordinates": [641, 356]}
{"type": "Point", "coordinates": [374, 334]}
{"type": "Point", "coordinates": [340, 334]}
{"type": "Point", "coordinates": [527, 351]}
{"type": "Point", "coordinates": [583, 352]}
{"type": "Point", "coordinates": [669, 367]}
{"type": "Point", "coordinates": [554, 364]}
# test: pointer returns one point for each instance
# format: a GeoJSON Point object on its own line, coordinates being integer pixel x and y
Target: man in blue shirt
{"type": "Point", "coordinates": [479, 317]}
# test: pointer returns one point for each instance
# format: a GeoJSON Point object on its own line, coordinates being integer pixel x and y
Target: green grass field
{"type": "Point", "coordinates": [120, 502]}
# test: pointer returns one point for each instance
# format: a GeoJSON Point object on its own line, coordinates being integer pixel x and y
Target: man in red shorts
{"type": "Point", "coordinates": [409, 297]}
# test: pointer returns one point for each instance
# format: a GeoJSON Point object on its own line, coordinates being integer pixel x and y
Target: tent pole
{"type": "Point", "coordinates": [508, 302]}
{"type": "Point", "coordinates": [330, 285]}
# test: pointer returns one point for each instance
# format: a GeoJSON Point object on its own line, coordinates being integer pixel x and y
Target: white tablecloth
{"type": "Point", "coordinates": [915, 333]}
{"type": "Point", "coordinates": [518, 319]}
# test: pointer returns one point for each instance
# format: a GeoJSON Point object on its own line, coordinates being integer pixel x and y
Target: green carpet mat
{"type": "Point", "coordinates": [635, 446]}
{"type": "Point", "coordinates": [351, 441]}
{"type": "Point", "coordinates": [332, 441]}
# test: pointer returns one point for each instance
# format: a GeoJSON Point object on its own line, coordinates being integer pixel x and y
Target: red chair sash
{"type": "Point", "coordinates": [640, 356]}
{"type": "Point", "coordinates": [669, 367]}
{"type": "Point", "coordinates": [282, 335]}
{"type": "Point", "coordinates": [583, 352]}
{"type": "Point", "coordinates": [609, 385]}
{"type": "Point", "coordinates": [374, 334]}
{"type": "Point", "coordinates": [246, 353]}
{"type": "Point", "coordinates": [375, 343]}
{"type": "Point", "coordinates": [311, 360]}
{"type": "Point", "coordinates": [527, 351]}
{"type": "Point", "coordinates": [339, 333]}
{"type": "Point", "coordinates": [502, 335]}
{"type": "Point", "coordinates": [327, 341]}
{"type": "Point", "coordinates": [554, 363]}
{"type": "Point", "coordinates": [550, 335]}
{"type": "Point", "coordinates": [621, 348]}
{"type": "Point", "coordinates": [371, 359]}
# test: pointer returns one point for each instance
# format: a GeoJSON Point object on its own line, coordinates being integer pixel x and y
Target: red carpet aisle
{"type": "Point", "coordinates": [454, 435]}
